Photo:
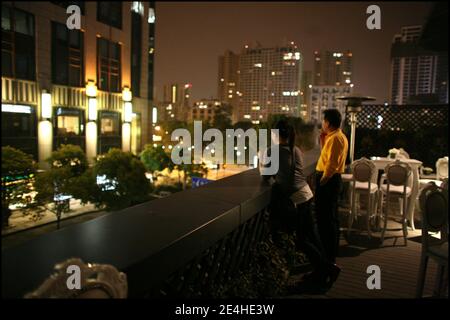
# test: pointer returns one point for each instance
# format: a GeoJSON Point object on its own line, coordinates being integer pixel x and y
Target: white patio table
{"type": "Point", "coordinates": [382, 162]}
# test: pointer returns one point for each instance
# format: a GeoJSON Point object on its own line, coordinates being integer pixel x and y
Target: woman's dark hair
{"type": "Point", "coordinates": [333, 116]}
{"type": "Point", "coordinates": [286, 131]}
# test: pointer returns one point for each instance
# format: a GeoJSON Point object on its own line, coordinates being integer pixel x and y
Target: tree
{"type": "Point", "coordinates": [222, 117]}
{"type": "Point", "coordinates": [17, 169]}
{"type": "Point", "coordinates": [123, 182]}
{"type": "Point", "coordinates": [70, 156]}
{"type": "Point", "coordinates": [192, 170]}
{"type": "Point", "coordinates": [155, 159]}
{"type": "Point", "coordinates": [64, 180]}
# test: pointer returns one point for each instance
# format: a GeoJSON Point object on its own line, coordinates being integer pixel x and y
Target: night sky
{"type": "Point", "coordinates": [191, 35]}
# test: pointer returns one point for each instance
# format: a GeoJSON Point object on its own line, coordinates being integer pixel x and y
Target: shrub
{"type": "Point", "coordinates": [17, 169]}
{"type": "Point", "coordinates": [124, 179]}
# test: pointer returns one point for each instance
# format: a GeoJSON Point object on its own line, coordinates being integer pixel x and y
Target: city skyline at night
{"type": "Point", "coordinates": [191, 36]}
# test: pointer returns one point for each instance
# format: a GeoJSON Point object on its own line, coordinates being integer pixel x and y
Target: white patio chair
{"type": "Point", "coordinates": [97, 281]}
{"type": "Point", "coordinates": [434, 206]}
{"type": "Point", "coordinates": [398, 176]}
{"type": "Point", "coordinates": [441, 173]}
{"type": "Point", "coordinates": [363, 182]}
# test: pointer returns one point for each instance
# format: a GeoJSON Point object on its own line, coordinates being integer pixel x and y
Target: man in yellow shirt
{"type": "Point", "coordinates": [328, 180]}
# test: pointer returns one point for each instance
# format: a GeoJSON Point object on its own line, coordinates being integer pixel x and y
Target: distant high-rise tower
{"type": "Point", "coordinates": [332, 68]}
{"type": "Point", "coordinates": [305, 93]}
{"type": "Point", "coordinates": [269, 82]}
{"type": "Point", "coordinates": [228, 80]}
{"type": "Point", "coordinates": [417, 75]}
{"type": "Point", "coordinates": [178, 97]}
{"type": "Point", "coordinates": [325, 97]}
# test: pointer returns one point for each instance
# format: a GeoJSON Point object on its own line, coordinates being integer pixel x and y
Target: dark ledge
{"type": "Point", "coordinates": [148, 241]}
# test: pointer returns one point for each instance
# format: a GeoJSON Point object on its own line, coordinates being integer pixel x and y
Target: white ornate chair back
{"type": "Point", "coordinates": [363, 170]}
{"type": "Point", "coordinates": [97, 281]}
{"type": "Point", "coordinates": [442, 168]}
{"type": "Point", "coordinates": [402, 154]}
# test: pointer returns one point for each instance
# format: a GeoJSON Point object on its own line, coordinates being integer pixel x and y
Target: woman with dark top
{"type": "Point", "coordinates": [291, 192]}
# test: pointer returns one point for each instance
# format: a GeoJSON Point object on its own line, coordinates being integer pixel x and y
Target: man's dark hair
{"type": "Point", "coordinates": [333, 116]}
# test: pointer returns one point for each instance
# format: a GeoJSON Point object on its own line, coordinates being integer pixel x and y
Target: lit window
{"type": "Point", "coordinates": [68, 125]}
{"type": "Point", "coordinates": [247, 116]}
{"type": "Point", "coordinates": [151, 15]}
{"type": "Point", "coordinates": [138, 7]}
{"type": "Point", "coordinates": [258, 65]}
{"type": "Point", "coordinates": [287, 56]}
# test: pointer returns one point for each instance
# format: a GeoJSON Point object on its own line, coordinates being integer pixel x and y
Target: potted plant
{"type": "Point", "coordinates": [393, 153]}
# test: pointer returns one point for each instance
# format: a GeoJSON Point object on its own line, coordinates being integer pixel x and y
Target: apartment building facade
{"type": "Point", "coordinates": [91, 86]}
{"type": "Point", "coordinates": [269, 82]}
{"type": "Point", "coordinates": [417, 75]}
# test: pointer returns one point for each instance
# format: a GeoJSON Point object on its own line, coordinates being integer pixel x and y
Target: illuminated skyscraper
{"type": "Point", "coordinates": [228, 78]}
{"type": "Point", "coordinates": [332, 68]}
{"type": "Point", "coordinates": [178, 97]}
{"type": "Point", "coordinates": [417, 75]}
{"type": "Point", "coordinates": [269, 82]}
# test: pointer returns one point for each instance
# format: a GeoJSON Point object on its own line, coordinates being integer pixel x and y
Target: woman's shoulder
{"type": "Point", "coordinates": [297, 150]}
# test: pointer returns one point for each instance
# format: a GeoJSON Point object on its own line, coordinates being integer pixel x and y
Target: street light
{"type": "Point", "coordinates": [354, 106]}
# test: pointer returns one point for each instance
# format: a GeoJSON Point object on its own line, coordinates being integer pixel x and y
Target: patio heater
{"type": "Point", "coordinates": [354, 106]}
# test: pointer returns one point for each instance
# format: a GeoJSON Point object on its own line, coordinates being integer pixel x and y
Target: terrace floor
{"type": "Point", "coordinates": [399, 265]}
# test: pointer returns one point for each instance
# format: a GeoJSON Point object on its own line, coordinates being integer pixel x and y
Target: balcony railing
{"type": "Point", "coordinates": [64, 96]}
{"type": "Point", "coordinates": [180, 245]}
{"type": "Point", "coordinates": [19, 91]}
{"type": "Point", "coordinates": [109, 101]}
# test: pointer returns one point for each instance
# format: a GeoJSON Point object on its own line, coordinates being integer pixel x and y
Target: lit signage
{"type": "Point", "coordinates": [16, 108]}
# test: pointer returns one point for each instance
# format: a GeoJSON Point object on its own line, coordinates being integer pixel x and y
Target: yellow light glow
{"type": "Point", "coordinates": [92, 109]}
{"type": "Point", "coordinates": [126, 94]}
{"type": "Point", "coordinates": [156, 138]}
{"type": "Point", "coordinates": [91, 89]}
{"type": "Point", "coordinates": [126, 137]}
{"type": "Point", "coordinates": [154, 115]}
{"type": "Point", "coordinates": [45, 139]}
{"type": "Point", "coordinates": [91, 141]}
{"type": "Point", "coordinates": [174, 94]}
{"type": "Point", "coordinates": [46, 105]}
{"type": "Point", "coordinates": [127, 112]}
{"type": "Point", "coordinates": [157, 128]}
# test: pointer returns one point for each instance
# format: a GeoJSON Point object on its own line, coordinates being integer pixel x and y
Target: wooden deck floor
{"type": "Point", "coordinates": [399, 266]}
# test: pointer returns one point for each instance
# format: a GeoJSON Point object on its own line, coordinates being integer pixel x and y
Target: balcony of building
{"type": "Point", "coordinates": [184, 244]}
